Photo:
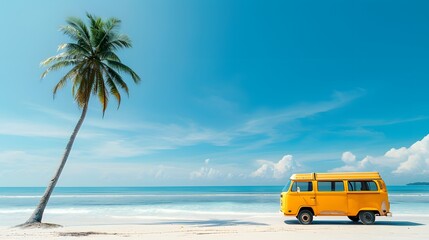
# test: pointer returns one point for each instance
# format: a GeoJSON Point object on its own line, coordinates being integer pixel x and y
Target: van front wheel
{"type": "Point", "coordinates": [367, 217]}
{"type": "Point", "coordinates": [305, 217]}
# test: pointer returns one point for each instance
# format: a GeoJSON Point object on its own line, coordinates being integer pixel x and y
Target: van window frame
{"type": "Point", "coordinates": [331, 191]}
{"type": "Point", "coordinates": [350, 187]}
{"type": "Point", "coordinates": [295, 183]}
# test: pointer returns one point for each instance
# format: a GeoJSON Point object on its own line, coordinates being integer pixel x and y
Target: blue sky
{"type": "Point", "coordinates": [232, 93]}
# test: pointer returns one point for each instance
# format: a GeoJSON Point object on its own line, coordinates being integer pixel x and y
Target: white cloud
{"type": "Point", "coordinates": [31, 129]}
{"type": "Point", "coordinates": [164, 172]}
{"type": "Point", "coordinates": [383, 122]}
{"type": "Point", "coordinates": [412, 160]}
{"type": "Point", "coordinates": [117, 149]}
{"type": "Point", "coordinates": [122, 173]}
{"type": "Point", "coordinates": [54, 113]}
{"type": "Point", "coordinates": [23, 128]}
{"type": "Point", "coordinates": [348, 157]}
{"type": "Point", "coordinates": [146, 137]}
{"type": "Point", "coordinates": [206, 172]}
{"type": "Point", "coordinates": [269, 169]}
{"type": "Point", "coordinates": [268, 121]}
{"type": "Point", "coordinates": [27, 168]}
{"type": "Point", "coordinates": [160, 173]}
{"type": "Point", "coordinates": [19, 156]}
{"type": "Point", "coordinates": [352, 166]}
{"type": "Point", "coordinates": [350, 163]}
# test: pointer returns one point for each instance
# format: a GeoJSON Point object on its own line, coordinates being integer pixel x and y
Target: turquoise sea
{"type": "Point", "coordinates": [116, 203]}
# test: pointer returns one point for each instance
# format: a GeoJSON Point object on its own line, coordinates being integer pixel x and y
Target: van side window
{"type": "Point", "coordinates": [303, 186]}
{"type": "Point", "coordinates": [331, 186]}
{"type": "Point", "coordinates": [362, 186]}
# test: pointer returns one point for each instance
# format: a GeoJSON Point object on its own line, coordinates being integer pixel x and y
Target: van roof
{"type": "Point", "coordinates": [336, 176]}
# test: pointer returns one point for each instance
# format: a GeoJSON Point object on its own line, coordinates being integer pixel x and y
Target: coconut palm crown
{"type": "Point", "coordinates": [95, 70]}
{"type": "Point", "coordinates": [95, 66]}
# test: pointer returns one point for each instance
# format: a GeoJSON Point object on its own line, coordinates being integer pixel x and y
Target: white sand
{"type": "Point", "coordinates": [260, 227]}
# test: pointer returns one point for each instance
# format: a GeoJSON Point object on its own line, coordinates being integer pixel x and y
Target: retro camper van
{"type": "Point", "coordinates": [358, 195]}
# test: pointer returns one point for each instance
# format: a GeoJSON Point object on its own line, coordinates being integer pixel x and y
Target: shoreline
{"type": "Point", "coordinates": [257, 227]}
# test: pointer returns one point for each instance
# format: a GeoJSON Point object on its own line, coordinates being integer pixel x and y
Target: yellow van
{"type": "Point", "coordinates": [358, 195]}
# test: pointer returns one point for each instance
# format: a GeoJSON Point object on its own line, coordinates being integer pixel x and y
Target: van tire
{"type": "Point", "coordinates": [367, 217]}
{"type": "Point", "coordinates": [354, 218]}
{"type": "Point", "coordinates": [305, 217]}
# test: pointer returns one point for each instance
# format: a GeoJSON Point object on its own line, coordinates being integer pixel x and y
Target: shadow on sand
{"type": "Point", "coordinates": [213, 223]}
{"type": "Point", "coordinates": [345, 222]}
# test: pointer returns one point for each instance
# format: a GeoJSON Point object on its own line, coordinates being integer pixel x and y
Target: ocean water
{"type": "Point", "coordinates": [133, 204]}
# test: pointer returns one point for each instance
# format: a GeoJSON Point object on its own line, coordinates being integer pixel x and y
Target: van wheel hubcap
{"type": "Point", "coordinates": [305, 218]}
{"type": "Point", "coordinates": [368, 217]}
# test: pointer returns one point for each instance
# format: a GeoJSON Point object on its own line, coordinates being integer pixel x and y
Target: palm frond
{"type": "Point", "coordinates": [118, 41]}
{"type": "Point", "coordinates": [65, 56]}
{"type": "Point", "coordinates": [59, 65]}
{"type": "Point", "coordinates": [71, 31]}
{"type": "Point", "coordinates": [81, 28]}
{"type": "Point", "coordinates": [70, 75]}
{"type": "Point", "coordinates": [114, 90]}
{"type": "Point", "coordinates": [75, 49]}
{"type": "Point", "coordinates": [124, 68]}
{"type": "Point", "coordinates": [116, 77]}
{"type": "Point", "coordinates": [102, 92]}
{"type": "Point", "coordinates": [106, 32]}
{"type": "Point", "coordinates": [83, 92]}
{"type": "Point", "coordinates": [112, 24]}
{"type": "Point", "coordinates": [96, 29]}
{"type": "Point", "coordinates": [109, 55]}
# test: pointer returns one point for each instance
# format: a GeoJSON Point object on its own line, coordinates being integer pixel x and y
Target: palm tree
{"type": "Point", "coordinates": [95, 70]}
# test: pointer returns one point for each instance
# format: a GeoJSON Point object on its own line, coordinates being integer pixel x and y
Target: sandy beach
{"type": "Point", "coordinates": [258, 227]}
{"type": "Point", "coordinates": [198, 213]}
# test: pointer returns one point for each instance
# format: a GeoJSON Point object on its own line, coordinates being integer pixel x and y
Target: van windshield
{"type": "Point", "coordinates": [286, 188]}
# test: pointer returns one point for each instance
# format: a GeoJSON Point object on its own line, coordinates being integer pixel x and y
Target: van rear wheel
{"type": "Point", "coordinates": [354, 218]}
{"type": "Point", "coordinates": [305, 216]}
{"type": "Point", "coordinates": [367, 217]}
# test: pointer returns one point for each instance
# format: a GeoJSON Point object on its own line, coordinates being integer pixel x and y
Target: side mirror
{"type": "Point", "coordinates": [298, 189]}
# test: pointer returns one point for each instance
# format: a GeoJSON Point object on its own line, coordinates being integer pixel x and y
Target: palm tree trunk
{"type": "Point", "coordinates": [37, 215]}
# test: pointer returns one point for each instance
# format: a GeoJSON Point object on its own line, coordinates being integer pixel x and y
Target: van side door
{"type": "Point", "coordinates": [362, 194]}
{"type": "Point", "coordinates": [331, 198]}
{"type": "Point", "coordinates": [304, 194]}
